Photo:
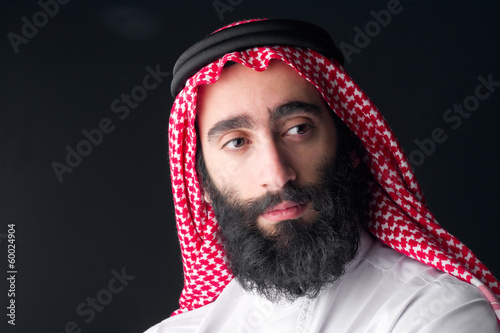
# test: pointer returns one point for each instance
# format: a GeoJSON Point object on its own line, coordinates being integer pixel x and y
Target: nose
{"type": "Point", "coordinates": [274, 168]}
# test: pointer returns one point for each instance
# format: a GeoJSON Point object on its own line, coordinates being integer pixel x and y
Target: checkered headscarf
{"type": "Point", "coordinates": [399, 216]}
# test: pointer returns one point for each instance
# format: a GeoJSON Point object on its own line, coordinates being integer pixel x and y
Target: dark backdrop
{"type": "Point", "coordinates": [112, 214]}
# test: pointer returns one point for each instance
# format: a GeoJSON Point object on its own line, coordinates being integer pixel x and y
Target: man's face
{"type": "Point", "coordinates": [260, 131]}
{"type": "Point", "coordinates": [287, 199]}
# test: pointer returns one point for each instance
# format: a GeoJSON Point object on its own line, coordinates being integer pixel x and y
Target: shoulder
{"type": "Point", "coordinates": [419, 298]}
{"type": "Point", "coordinates": [181, 323]}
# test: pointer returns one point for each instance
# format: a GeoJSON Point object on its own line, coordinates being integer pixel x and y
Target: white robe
{"type": "Point", "coordinates": [382, 291]}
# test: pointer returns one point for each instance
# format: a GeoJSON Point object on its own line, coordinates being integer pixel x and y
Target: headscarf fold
{"type": "Point", "coordinates": [399, 216]}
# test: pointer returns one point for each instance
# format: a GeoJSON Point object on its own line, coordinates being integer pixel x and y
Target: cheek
{"type": "Point", "coordinates": [309, 161]}
{"type": "Point", "coordinates": [229, 172]}
{"type": "Point", "coordinates": [307, 168]}
{"type": "Point", "coordinates": [237, 173]}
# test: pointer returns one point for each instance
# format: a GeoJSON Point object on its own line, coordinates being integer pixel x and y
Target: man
{"type": "Point", "coordinates": [287, 182]}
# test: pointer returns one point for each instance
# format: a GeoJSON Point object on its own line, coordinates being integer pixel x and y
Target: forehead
{"type": "Point", "coordinates": [242, 90]}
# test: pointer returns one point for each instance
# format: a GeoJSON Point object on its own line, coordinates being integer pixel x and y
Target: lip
{"type": "Point", "coordinates": [284, 211]}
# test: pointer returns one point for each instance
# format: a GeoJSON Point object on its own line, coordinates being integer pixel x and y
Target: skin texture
{"type": "Point", "coordinates": [262, 130]}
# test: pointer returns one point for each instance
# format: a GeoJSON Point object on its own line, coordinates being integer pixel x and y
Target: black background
{"type": "Point", "coordinates": [114, 211]}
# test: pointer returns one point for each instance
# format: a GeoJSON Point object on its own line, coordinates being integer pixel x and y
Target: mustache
{"type": "Point", "coordinates": [254, 207]}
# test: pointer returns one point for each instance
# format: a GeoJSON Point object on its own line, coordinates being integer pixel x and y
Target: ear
{"type": "Point", "coordinates": [354, 158]}
{"type": "Point", "coordinates": [206, 197]}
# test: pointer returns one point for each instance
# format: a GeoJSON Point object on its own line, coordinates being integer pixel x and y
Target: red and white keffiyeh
{"type": "Point", "coordinates": [398, 213]}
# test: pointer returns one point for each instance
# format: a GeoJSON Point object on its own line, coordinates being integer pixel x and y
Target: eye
{"type": "Point", "coordinates": [235, 143]}
{"type": "Point", "coordinates": [299, 129]}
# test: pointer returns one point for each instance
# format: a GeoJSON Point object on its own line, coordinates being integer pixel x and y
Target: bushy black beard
{"type": "Point", "coordinates": [299, 258]}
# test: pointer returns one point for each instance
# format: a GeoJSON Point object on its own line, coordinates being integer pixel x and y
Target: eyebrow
{"type": "Point", "coordinates": [278, 113]}
{"type": "Point", "coordinates": [293, 108]}
{"type": "Point", "coordinates": [241, 121]}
